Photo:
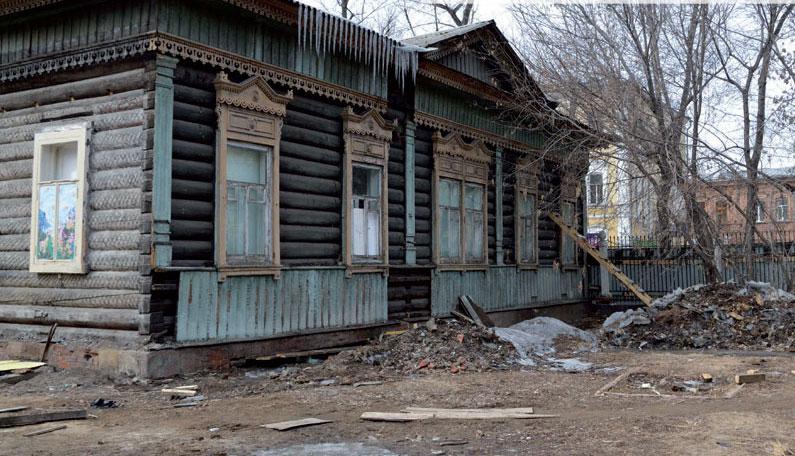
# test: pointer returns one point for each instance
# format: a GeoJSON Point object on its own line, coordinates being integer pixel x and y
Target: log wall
{"type": "Point", "coordinates": [423, 175]}
{"type": "Point", "coordinates": [114, 292]}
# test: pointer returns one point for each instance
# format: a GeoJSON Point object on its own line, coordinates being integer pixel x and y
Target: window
{"type": "Point", "coordinates": [760, 212]}
{"type": "Point", "coordinates": [59, 187]}
{"type": "Point", "coordinates": [782, 209]}
{"type": "Point", "coordinates": [595, 189]}
{"type": "Point", "coordinates": [247, 214]}
{"type": "Point", "coordinates": [526, 214]}
{"type": "Point", "coordinates": [367, 137]}
{"type": "Point", "coordinates": [568, 249]}
{"type": "Point", "coordinates": [248, 203]}
{"type": "Point", "coordinates": [722, 213]}
{"type": "Point", "coordinates": [460, 219]}
{"type": "Point", "coordinates": [366, 213]}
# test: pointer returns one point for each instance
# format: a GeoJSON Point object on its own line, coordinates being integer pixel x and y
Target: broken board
{"type": "Point", "coordinates": [286, 425]}
{"type": "Point", "coordinates": [12, 365]}
{"type": "Point", "coordinates": [44, 417]}
{"type": "Point", "coordinates": [395, 417]}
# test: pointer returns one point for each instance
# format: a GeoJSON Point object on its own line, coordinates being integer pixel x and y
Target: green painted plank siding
{"type": "Point", "coordinates": [258, 38]}
{"type": "Point", "coordinates": [504, 288]}
{"type": "Point", "coordinates": [461, 108]}
{"type": "Point", "coordinates": [253, 307]}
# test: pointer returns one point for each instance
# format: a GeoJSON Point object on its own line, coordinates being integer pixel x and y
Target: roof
{"type": "Point", "coordinates": [442, 35]}
{"type": "Point", "coordinates": [772, 173]}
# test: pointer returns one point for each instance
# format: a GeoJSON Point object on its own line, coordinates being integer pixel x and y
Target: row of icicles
{"type": "Point", "coordinates": [326, 33]}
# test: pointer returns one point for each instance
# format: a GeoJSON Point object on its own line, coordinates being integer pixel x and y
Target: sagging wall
{"type": "Point", "coordinates": [114, 293]}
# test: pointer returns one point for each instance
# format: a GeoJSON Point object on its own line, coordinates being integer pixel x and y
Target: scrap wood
{"type": "Point", "coordinates": [179, 392]}
{"type": "Point", "coordinates": [395, 417]}
{"type": "Point", "coordinates": [49, 341]}
{"type": "Point", "coordinates": [462, 317]}
{"type": "Point", "coordinates": [466, 304]}
{"type": "Point", "coordinates": [14, 409]}
{"type": "Point", "coordinates": [187, 387]}
{"type": "Point", "coordinates": [45, 431]}
{"type": "Point", "coordinates": [12, 365]}
{"type": "Point", "coordinates": [302, 354]}
{"type": "Point", "coordinates": [601, 391]}
{"type": "Point", "coordinates": [453, 442]}
{"type": "Point", "coordinates": [36, 418]}
{"type": "Point", "coordinates": [286, 425]}
{"type": "Point", "coordinates": [473, 414]}
{"type": "Point", "coordinates": [368, 383]}
{"type": "Point", "coordinates": [748, 378]}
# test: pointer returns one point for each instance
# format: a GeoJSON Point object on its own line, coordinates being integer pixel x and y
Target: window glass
{"type": "Point", "coordinates": [595, 189]}
{"type": "Point", "coordinates": [473, 202]}
{"type": "Point", "coordinates": [248, 209]}
{"type": "Point", "coordinates": [782, 210]}
{"type": "Point", "coordinates": [449, 219]}
{"type": "Point", "coordinates": [58, 162]}
{"type": "Point", "coordinates": [366, 212]}
{"type": "Point", "coordinates": [527, 225]}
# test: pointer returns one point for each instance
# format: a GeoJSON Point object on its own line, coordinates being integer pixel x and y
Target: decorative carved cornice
{"type": "Point", "coordinates": [368, 124]}
{"type": "Point", "coordinates": [15, 6]}
{"type": "Point", "coordinates": [440, 123]}
{"type": "Point", "coordinates": [453, 145]}
{"type": "Point", "coordinates": [462, 82]}
{"type": "Point", "coordinates": [278, 11]}
{"type": "Point", "coordinates": [187, 50]}
{"type": "Point", "coordinates": [253, 94]}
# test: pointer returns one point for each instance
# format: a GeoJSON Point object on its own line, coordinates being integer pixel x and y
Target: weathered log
{"type": "Point", "coordinates": [19, 225]}
{"type": "Point", "coordinates": [71, 297]}
{"type": "Point", "coordinates": [308, 217]}
{"type": "Point", "coordinates": [14, 207]}
{"type": "Point", "coordinates": [15, 188]}
{"type": "Point", "coordinates": [192, 170]}
{"type": "Point", "coordinates": [106, 280]}
{"type": "Point", "coordinates": [109, 260]}
{"type": "Point", "coordinates": [309, 136]}
{"type": "Point", "coordinates": [14, 260]}
{"type": "Point", "coordinates": [193, 132]}
{"type": "Point", "coordinates": [297, 233]}
{"type": "Point", "coordinates": [194, 113]}
{"type": "Point", "coordinates": [118, 158]}
{"type": "Point", "coordinates": [71, 316]}
{"type": "Point", "coordinates": [395, 196]}
{"type": "Point", "coordinates": [192, 210]}
{"type": "Point", "coordinates": [396, 238]}
{"type": "Point", "coordinates": [187, 150]}
{"type": "Point", "coordinates": [291, 165]}
{"type": "Point", "coordinates": [123, 138]}
{"type": "Point", "coordinates": [396, 224]}
{"type": "Point", "coordinates": [85, 88]}
{"type": "Point", "coordinates": [293, 200]}
{"type": "Point", "coordinates": [14, 242]}
{"type": "Point", "coordinates": [296, 250]}
{"type": "Point", "coordinates": [114, 240]}
{"type": "Point", "coordinates": [192, 189]}
{"type": "Point", "coordinates": [15, 151]}
{"type": "Point", "coordinates": [192, 250]}
{"type": "Point", "coordinates": [115, 199]}
{"type": "Point", "coordinates": [191, 230]}
{"type": "Point", "coordinates": [193, 95]}
{"type": "Point", "coordinates": [114, 219]}
{"type": "Point", "coordinates": [307, 152]}
{"type": "Point", "coordinates": [422, 226]}
{"type": "Point", "coordinates": [314, 106]}
{"type": "Point", "coordinates": [18, 169]}
{"type": "Point", "coordinates": [299, 119]}
{"type": "Point", "coordinates": [310, 261]}
{"type": "Point", "coordinates": [308, 184]}
{"type": "Point", "coordinates": [115, 179]}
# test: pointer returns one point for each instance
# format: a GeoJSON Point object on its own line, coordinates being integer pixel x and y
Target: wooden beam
{"type": "Point", "coordinates": [611, 268]}
{"type": "Point", "coordinates": [410, 213]}
{"type": "Point", "coordinates": [498, 207]}
{"type": "Point", "coordinates": [46, 417]}
{"type": "Point", "coordinates": [161, 182]}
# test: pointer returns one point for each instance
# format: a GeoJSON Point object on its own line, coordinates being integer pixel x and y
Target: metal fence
{"type": "Point", "coordinates": [659, 273]}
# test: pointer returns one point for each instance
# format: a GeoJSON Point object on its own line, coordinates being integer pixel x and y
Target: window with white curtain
{"type": "Point", "coordinates": [366, 213]}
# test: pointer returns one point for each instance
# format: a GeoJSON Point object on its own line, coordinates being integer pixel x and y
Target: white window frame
{"type": "Point", "coordinates": [760, 211]}
{"type": "Point", "coordinates": [467, 163]}
{"type": "Point", "coordinates": [367, 201]}
{"type": "Point", "coordinates": [249, 113]}
{"type": "Point", "coordinates": [78, 133]}
{"type": "Point", "coordinates": [367, 137]}
{"type": "Point", "coordinates": [782, 215]}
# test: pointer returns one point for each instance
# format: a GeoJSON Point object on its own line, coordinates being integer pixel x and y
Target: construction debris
{"type": "Point", "coordinates": [13, 409]}
{"type": "Point", "coordinates": [742, 379]}
{"type": "Point", "coordinates": [719, 316]}
{"type": "Point", "coordinates": [287, 425]}
{"type": "Point", "coordinates": [420, 413]}
{"type": "Point", "coordinates": [11, 365]}
{"type": "Point", "coordinates": [44, 431]}
{"type": "Point", "coordinates": [42, 417]}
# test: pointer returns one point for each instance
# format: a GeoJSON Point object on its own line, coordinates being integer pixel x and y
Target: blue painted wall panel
{"type": "Point", "coordinates": [504, 288]}
{"type": "Point", "coordinates": [254, 307]}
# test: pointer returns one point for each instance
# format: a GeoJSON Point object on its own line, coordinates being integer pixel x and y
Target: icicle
{"type": "Point", "coordinates": [348, 30]}
{"type": "Point", "coordinates": [317, 32]}
{"type": "Point", "coordinates": [300, 29]}
{"type": "Point", "coordinates": [310, 23]}
{"type": "Point", "coordinates": [324, 32]}
{"type": "Point", "coordinates": [356, 43]}
{"type": "Point", "coordinates": [335, 26]}
{"type": "Point", "coordinates": [367, 43]}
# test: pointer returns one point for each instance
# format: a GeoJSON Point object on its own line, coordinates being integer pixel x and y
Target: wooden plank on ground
{"type": "Point", "coordinates": [742, 379]}
{"type": "Point", "coordinates": [44, 431]}
{"type": "Point", "coordinates": [12, 365]}
{"type": "Point", "coordinates": [14, 409]}
{"type": "Point", "coordinates": [302, 354]}
{"type": "Point", "coordinates": [601, 391]}
{"type": "Point", "coordinates": [285, 425]}
{"type": "Point", "coordinates": [44, 417]}
{"type": "Point", "coordinates": [395, 417]}
{"type": "Point", "coordinates": [524, 410]}
{"type": "Point", "coordinates": [179, 392]}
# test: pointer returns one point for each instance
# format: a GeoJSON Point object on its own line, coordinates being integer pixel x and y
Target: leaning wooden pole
{"type": "Point", "coordinates": [611, 268]}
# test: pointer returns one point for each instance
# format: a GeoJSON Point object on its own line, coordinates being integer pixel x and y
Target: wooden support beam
{"type": "Point", "coordinates": [410, 249]}
{"type": "Point", "coordinates": [498, 209]}
{"type": "Point", "coordinates": [161, 182]}
{"type": "Point", "coordinates": [611, 268]}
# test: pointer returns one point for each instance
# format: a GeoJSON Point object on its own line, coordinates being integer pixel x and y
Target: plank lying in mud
{"type": "Point", "coordinates": [286, 425]}
{"type": "Point", "coordinates": [44, 417]}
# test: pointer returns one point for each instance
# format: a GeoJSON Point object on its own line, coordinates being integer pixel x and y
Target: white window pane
{"type": "Point", "coordinates": [59, 161]}
{"type": "Point", "coordinates": [257, 220]}
{"type": "Point", "coordinates": [247, 163]}
{"type": "Point", "coordinates": [373, 229]}
{"type": "Point", "coordinates": [359, 232]}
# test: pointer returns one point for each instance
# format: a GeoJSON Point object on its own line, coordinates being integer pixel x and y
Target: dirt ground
{"type": "Point", "coordinates": [758, 420]}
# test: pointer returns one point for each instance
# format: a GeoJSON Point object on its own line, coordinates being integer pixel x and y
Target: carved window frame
{"type": "Point", "coordinates": [367, 138]}
{"type": "Point", "coordinates": [526, 185]}
{"type": "Point", "coordinates": [250, 112]}
{"type": "Point", "coordinates": [569, 185]}
{"type": "Point", "coordinates": [53, 136]}
{"type": "Point", "coordinates": [455, 159]}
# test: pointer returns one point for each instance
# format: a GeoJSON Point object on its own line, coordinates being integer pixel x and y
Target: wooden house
{"type": "Point", "coordinates": [184, 182]}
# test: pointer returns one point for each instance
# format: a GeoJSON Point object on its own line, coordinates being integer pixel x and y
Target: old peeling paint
{"type": "Point", "coordinates": [504, 288]}
{"type": "Point", "coordinates": [260, 306]}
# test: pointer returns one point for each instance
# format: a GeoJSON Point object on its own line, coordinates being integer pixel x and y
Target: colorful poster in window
{"type": "Point", "coordinates": [46, 241]}
{"type": "Point", "coordinates": [67, 220]}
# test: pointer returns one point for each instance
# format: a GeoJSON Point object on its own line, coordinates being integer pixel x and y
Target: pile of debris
{"type": "Point", "coordinates": [718, 316]}
{"type": "Point", "coordinates": [448, 344]}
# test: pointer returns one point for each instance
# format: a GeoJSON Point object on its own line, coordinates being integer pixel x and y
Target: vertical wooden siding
{"type": "Point", "coordinates": [255, 307]}
{"type": "Point", "coordinates": [504, 288]}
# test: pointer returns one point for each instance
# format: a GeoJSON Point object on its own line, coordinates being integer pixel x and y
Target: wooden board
{"type": "Point", "coordinates": [14, 409]}
{"type": "Point", "coordinates": [44, 417]}
{"type": "Point", "coordinates": [478, 414]}
{"type": "Point", "coordinates": [11, 365]}
{"type": "Point", "coordinates": [742, 379]}
{"type": "Point", "coordinates": [395, 417]}
{"type": "Point", "coordinates": [524, 410]}
{"type": "Point", "coordinates": [285, 425]}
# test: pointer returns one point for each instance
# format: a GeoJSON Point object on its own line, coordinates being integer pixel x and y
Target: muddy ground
{"type": "Point", "coordinates": [760, 419]}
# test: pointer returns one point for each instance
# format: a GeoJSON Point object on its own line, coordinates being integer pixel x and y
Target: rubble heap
{"type": "Point", "coordinates": [449, 345]}
{"type": "Point", "coordinates": [719, 316]}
